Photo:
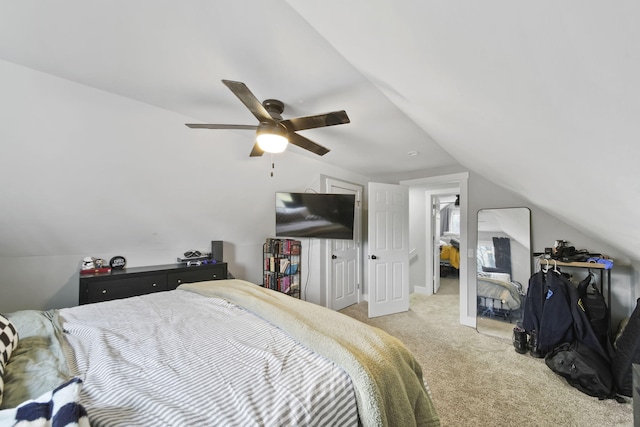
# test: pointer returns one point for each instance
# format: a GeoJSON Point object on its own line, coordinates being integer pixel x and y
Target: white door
{"type": "Point", "coordinates": [388, 259]}
{"type": "Point", "coordinates": [344, 280]}
{"type": "Point", "coordinates": [345, 258]}
{"type": "Point", "coordinates": [435, 235]}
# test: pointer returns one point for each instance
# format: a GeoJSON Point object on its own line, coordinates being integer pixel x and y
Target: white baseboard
{"type": "Point", "coordinates": [468, 321]}
{"type": "Point", "coordinates": [422, 290]}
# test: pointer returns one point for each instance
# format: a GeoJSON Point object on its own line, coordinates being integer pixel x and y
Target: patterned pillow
{"type": "Point", "coordinates": [8, 342]}
{"type": "Point", "coordinates": [57, 408]}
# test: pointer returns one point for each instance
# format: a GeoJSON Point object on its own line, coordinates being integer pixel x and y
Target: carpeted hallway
{"type": "Point", "coordinates": [479, 380]}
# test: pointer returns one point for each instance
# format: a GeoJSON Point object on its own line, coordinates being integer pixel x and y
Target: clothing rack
{"type": "Point", "coordinates": [552, 263]}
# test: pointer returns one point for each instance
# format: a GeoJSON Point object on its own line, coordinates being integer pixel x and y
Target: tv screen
{"type": "Point", "coordinates": [321, 215]}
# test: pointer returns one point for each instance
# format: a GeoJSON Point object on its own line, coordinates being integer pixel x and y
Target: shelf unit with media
{"type": "Point", "coordinates": [281, 265]}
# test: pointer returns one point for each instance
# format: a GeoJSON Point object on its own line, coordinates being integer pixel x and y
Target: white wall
{"type": "Point", "coordinates": [88, 173]}
{"type": "Point", "coordinates": [418, 208]}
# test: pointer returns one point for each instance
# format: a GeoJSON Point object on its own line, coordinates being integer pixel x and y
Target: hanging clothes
{"type": "Point", "coordinates": [553, 309]}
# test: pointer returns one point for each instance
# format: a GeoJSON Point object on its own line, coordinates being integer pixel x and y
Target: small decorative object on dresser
{"type": "Point", "coordinates": [91, 265]}
{"type": "Point", "coordinates": [193, 257]}
{"type": "Point", "coordinates": [136, 281]}
{"type": "Point", "coordinates": [88, 263]}
{"type": "Point", "coordinates": [281, 265]}
{"type": "Point", "coordinates": [118, 262]}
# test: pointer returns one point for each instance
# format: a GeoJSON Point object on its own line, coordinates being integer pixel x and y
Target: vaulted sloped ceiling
{"type": "Point", "coordinates": [541, 98]}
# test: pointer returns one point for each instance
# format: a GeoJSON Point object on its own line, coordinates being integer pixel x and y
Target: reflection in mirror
{"type": "Point", "coordinates": [503, 268]}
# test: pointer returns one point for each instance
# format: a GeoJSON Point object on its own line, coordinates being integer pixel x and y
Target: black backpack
{"type": "Point", "coordinates": [583, 368]}
{"type": "Point", "coordinates": [595, 306]}
{"type": "Point", "coordinates": [627, 353]}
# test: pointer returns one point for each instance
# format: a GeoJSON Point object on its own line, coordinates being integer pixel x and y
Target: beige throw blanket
{"type": "Point", "coordinates": [387, 379]}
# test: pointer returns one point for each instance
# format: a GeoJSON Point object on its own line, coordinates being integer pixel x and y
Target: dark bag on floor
{"type": "Point", "coordinates": [627, 353]}
{"type": "Point", "coordinates": [583, 368]}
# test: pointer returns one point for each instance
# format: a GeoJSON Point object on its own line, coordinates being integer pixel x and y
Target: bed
{"type": "Point", "coordinates": [498, 296]}
{"type": "Point", "coordinates": [225, 352]}
{"type": "Point", "coordinates": [449, 254]}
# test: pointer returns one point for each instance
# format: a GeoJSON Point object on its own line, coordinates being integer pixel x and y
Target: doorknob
{"type": "Point", "coordinates": [373, 257]}
{"type": "Point", "coordinates": [333, 257]}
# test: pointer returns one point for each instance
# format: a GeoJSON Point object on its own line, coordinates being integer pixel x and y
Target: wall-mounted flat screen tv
{"type": "Point", "coordinates": [319, 215]}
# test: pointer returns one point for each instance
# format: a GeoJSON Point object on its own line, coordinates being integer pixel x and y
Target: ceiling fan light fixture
{"type": "Point", "coordinates": [272, 139]}
{"type": "Point", "coordinates": [273, 132]}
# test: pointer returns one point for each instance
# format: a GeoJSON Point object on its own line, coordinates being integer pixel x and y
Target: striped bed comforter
{"type": "Point", "coordinates": [181, 359]}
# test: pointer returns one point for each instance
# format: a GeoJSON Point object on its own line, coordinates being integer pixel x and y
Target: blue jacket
{"type": "Point", "coordinates": [553, 308]}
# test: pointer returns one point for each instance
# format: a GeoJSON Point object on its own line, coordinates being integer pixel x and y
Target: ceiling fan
{"type": "Point", "coordinates": [274, 133]}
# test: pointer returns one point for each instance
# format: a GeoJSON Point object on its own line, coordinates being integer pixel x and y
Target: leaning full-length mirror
{"type": "Point", "coordinates": [503, 268]}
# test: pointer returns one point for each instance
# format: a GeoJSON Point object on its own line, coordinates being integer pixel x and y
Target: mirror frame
{"type": "Point", "coordinates": [511, 279]}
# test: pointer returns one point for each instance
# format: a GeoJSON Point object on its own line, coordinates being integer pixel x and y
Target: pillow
{"type": "Point", "coordinates": [8, 342]}
{"type": "Point", "coordinates": [56, 408]}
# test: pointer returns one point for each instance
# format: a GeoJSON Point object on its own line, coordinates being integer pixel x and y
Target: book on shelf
{"type": "Point", "coordinates": [269, 280]}
{"type": "Point", "coordinates": [291, 247]}
{"type": "Point", "coordinates": [284, 284]}
{"type": "Point", "coordinates": [284, 265]}
{"type": "Point", "coordinates": [281, 247]}
{"type": "Point", "coordinates": [291, 269]}
{"type": "Point", "coordinates": [295, 248]}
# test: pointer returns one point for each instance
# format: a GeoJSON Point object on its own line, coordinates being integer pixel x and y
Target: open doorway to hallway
{"type": "Point", "coordinates": [435, 234]}
{"type": "Point", "coordinates": [445, 211]}
{"type": "Point", "coordinates": [425, 252]}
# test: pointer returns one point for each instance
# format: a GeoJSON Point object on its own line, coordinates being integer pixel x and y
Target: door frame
{"type": "Point", "coordinates": [467, 307]}
{"type": "Point", "coordinates": [327, 182]}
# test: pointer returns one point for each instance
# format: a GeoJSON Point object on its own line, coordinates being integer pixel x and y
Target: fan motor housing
{"type": "Point", "coordinates": [274, 108]}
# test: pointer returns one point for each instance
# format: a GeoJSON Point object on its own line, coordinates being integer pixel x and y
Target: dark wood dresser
{"type": "Point", "coordinates": [130, 282]}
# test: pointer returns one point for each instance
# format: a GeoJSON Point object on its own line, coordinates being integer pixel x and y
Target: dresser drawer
{"type": "Point", "coordinates": [106, 290]}
{"type": "Point", "coordinates": [197, 274]}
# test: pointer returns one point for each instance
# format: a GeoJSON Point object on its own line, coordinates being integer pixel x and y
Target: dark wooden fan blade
{"type": "Point", "coordinates": [318, 121]}
{"type": "Point", "coordinates": [256, 151]}
{"type": "Point", "coordinates": [213, 126]}
{"type": "Point", "coordinates": [307, 144]}
{"type": "Point", "coordinates": [249, 100]}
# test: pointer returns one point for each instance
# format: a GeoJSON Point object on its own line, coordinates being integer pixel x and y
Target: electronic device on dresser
{"type": "Point", "coordinates": [216, 250]}
{"type": "Point", "coordinates": [130, 282]}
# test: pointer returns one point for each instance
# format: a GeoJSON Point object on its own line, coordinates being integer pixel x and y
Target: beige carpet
{"type": "Point", "coordinates": [479, 380]}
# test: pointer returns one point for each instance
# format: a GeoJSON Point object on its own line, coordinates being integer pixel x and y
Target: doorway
{"type": "Point", "coordinates": [422, 270]}
{"type": "Point", "coordinates": [445, 220]}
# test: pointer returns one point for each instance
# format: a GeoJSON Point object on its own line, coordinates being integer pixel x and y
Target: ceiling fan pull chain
{"type": "Point", "coordinates": [273, 165]}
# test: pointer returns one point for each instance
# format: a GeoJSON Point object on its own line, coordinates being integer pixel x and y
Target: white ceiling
{"type": "Point", "coordinates": [541, 98]}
